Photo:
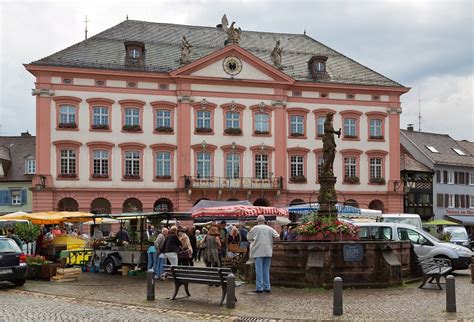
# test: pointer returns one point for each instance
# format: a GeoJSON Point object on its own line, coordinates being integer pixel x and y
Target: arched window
{"type": "Point", "coordinates": [163, 204]}
{"type": "Point", "coordinates": [132, 205]}
{"type": "Point", "coordinates": [101, 206]}
{"type": "Point", "coordinates": [68, 204]}
{"type": "Point", "coordinates": [376, 205]}
{"type": "Point", "coordinates": [295, 202]}
{"type": "Point", "coordinates": [261, 202]}
{"type": "Point", "coordinates": [352, 203]}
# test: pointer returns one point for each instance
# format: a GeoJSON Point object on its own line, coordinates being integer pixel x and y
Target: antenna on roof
{"type": "Point", "coordinates": [126, 17]}
{"type": "Point", "coordinates": [86, 21]}
{"type": "Point", "coordinates": [304, 32]}
{"type": "Point", "coordinates": [419, 109]}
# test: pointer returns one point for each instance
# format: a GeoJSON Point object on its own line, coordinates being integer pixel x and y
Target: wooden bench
{"type": "Point", "coordinates": [434, 268]}
{"type": "Point", "coordinates": [214, 276]}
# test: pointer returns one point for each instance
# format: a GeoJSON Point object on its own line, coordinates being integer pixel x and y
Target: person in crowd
{"type": "Point", "coordinates": [171, 246]}
{"type": "Point", "coordinates": [150, 232]}
{"type": "Point", "coordinates": [160, 257]}
{"type": "Point", "coordinates": [291, 234]}
{"type": "Point", "coordinates": [261, 250]}
{"type": "Point", "coordinates": [122, 235]}
{"type": "Point", "coordinates": [185, 256]}
{"type": "Point", "coordinates": [39, 243]}
{"type": "Point", "coordinates": [223, 236]}
{"type": "Point", "coordinates": [151, 253]}
{"type": "Point", "coordinates": [57, 231]}
{"type": "Point", "coordinates": [210, 248]}
{"type": "Point", "coordinates": [74, 232]}
{"type": "Point", "coordinates": [49, 235]}
{"type": "Point", "coordinates": [97, 234]}
{"type": "Point", "coordinates": [193, 240]}
{"type": "Point", "coordinates": [284, 233]}
{"type": "Point", "coordinates": [199, 238]}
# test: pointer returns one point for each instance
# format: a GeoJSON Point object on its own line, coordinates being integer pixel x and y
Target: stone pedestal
{"type": "Point", "coordinates": [327, 196]}
{"type": "Point", "coordinates": [316, 264]}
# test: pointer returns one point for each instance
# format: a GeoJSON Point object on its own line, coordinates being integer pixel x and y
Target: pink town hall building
{"type": "Point", "coordinates": [138, 118]}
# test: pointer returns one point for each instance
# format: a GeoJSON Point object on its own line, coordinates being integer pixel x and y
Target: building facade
{"type": "Point", "coordinates": [17, 168]}
{"type": "Point", "coordinates": [453, 168]}
{"type": "Point", "coordinates": [137, 118]}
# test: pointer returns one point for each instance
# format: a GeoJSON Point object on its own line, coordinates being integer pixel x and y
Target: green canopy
{"type": "Point", "coordinates": [440, 222]}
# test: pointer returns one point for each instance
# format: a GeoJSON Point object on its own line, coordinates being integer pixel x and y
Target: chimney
{"type": "Point", "coordinates": [25, 134]}
{"type": "Point", "coordinates": [410, 127]}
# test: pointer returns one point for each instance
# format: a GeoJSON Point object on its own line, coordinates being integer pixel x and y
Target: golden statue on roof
{"type": "Point", "coordinates": [233, 33]}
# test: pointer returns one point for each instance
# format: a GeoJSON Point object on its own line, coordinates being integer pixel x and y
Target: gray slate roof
{"type": "Point", "coordinates": [20, 148]}
{"type": "Point", "coordinates": [444, 144]}
{"type": "Point", "coordinates": [106, 50]}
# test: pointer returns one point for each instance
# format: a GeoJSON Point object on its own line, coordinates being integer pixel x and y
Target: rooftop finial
{"type": "Point", "coordinates": [126, 17]}
{"type": "Point", "coordinates": [304, 32]}
{"type": "Point", "coordinates": [86, 21]}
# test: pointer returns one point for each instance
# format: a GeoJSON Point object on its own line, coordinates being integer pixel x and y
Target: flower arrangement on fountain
{"type": "Point", "coordinates": [325, 228]}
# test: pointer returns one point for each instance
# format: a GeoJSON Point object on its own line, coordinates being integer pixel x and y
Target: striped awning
{"type": "Point", "coordinates": [239, 212]}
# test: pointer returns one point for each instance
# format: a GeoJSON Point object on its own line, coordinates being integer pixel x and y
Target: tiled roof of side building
{"type": "Point", "coordinates": [467, 146]}
{"type": "Point", "coordinates": [21, 147]}
{"type": "Point", "coordinates": [162, 41]}
{"type": "Point", "coordinates": [444, 144]}
{"type": "Point", "coordinates": [409, 163]}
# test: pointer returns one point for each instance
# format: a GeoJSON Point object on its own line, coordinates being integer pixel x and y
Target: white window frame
{"type": "Point", "coordinates": [350, 167]}
{"type": "Point", "coordinates": [296, 166]}
{"type": "Point", "coordinates": [320, 126]}
{"type": "Point", "coordinates": [204, 164]}
{"type": "Point", "coordinates": [296, 124]}
{"type": "Point", "coordinates": [15, 197]}
{"type": "Point", "coordinates": [68, 161]}
{"type": "Point", "coordinates": [471, 178]}
{"type": "Point", "coordinates": [100, 115]}
{"type": "Point", "coordinates": [100, 162]}
{"type": "Point", "coordinates": [376, 168]}
{"type": "Point", "coordinates": [203, 119]}
{"type": "Point", "coordinates": [350, 127]}
{"type": "Point", "coordinates": [471, 201]}
{"type": "Point", "coordinates": [132, 163]}
{"type": "Point", "coordinates": [163, 118]}
{"type": "Point", "coordinates": [261, 166]}
{"type": "Point", "coordinates": [132, 116]}
{"type": "Point", "coordinates": [232, 165]}
{"type": "Point", "coordinates": [262, 122]}
{"type": "Point", "coordinates": [450, 177]}
{"type": "Point", "coordinates": [319, 164]}
{"type": "Point", "coordinates": [232, 120]}
{"type": "Point", "coordinates": [67, 114]}
{"type": "Point", "coordinates": [451, 201]}
{"type": "Point", "coordinates": [163, 163]}
{"type": "Point", "coordinates": [375, 128]}
{"type": "Point", "coordinates": [30, 166]}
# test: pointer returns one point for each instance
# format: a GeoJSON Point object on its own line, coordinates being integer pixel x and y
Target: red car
{"type": "Point", "coordinates": [12, 262]}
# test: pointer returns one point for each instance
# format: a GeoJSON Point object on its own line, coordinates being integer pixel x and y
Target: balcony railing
{"type": "Point", "coordinates": [233, 183]}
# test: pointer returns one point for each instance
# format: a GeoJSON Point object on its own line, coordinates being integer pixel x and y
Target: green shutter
{"type": "Point", "coordinates": [24, 196]}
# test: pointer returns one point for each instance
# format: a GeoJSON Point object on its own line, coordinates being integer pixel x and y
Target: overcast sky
{"type": "Point", "coordinates": [425, 45]}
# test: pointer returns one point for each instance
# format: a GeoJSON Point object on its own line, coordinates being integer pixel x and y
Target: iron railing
{"type": "Point", "coordinates": [233, 183]}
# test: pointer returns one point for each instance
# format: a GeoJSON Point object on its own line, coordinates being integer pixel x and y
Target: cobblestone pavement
{"type": "Point", "coordinates": [18, 305]}
{"type": "Point", "coordinates": [397, 303]}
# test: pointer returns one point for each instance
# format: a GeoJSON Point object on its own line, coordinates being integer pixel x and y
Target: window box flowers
{"type": "Point", "coordinates": [71, 125]}
{"type": "Point", "coordinates": [164, 129]}
{"type": "Point", "coordinates": [262, 132]}
{"type": "Point", "coordinates": [163, 177]}
{"type": "Point", "coordinates": [68, 175]}
{"type": "Point", "coordinates": [233, 131]}
{"type": "Point", "coordinates": [131, 176]}
{"type": "Point", "coordinates": [298, 179]}
{"type": "Point", "coordinates": [100, 126]}
{"type": "Point", "coordinates": [203, 130]}
{"type": "Point", "coordinates": [132, 128]}
{"type": "Point", "coordinates": [297, 134]}
{"type": "Point", "coordinates": [352, 180]}
{"type": "Point", "coordinates": [99, 176]}
{"type": "Point", "coordinates": [376, 137]}
{"type": "Point", "coordinates": [350, 136]}
{"type": "Point", "coordinates": [380, 181]}
{"type": "Point", "coordinates": [326, 229]}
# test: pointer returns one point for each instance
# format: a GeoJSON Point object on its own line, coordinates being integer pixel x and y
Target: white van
{"type": "Point", "coordinates": [409, 219]}
{"type": "Point", "coordinates": [458, 235]}
{"type": "Point", "coordinates": [425, 245]}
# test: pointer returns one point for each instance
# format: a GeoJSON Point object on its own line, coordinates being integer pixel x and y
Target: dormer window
{"type": "Point", "coordinates": [432, 148]}
{"type": "Point", "coordinates": [458, 151]}
{"type": "Point", "coordinates": [135, 52]}
{"type": "Point", "coordinates": [317, 66]}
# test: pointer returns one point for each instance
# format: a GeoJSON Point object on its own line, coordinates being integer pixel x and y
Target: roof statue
{"type": "Point", "coordinates": [185, 51]}
{"type": "Point", "coordinates": [233, 33]}
{"type": "Point", "coordinates": [276, 54]}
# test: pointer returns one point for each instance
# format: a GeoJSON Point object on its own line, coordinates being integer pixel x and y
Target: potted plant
{"type": "Point", "coordinates": [203, 130]}
{"type": "Point", "coordinates": [261, 132]}
{"type": "Point", "coordinates": [132, 128]}
{"type": "Point", "coordinates": [352, 180]}
{"type": "Point", "coordinates": [71, 125]}
{"type": "Point", "coordinates": [100, 127]}
{"type": "Point", "coordinates": [297, 134]}
{"type": "Point", "coordinates": [164, 129]}
{"type": "Point", "coordinates": [298, 179]}
{"type": "Point", "coordinates": [131, 176]}
{"type": "Point", "coordinates": [380, 181]}
{"type": "Point", "coordinates": [326, 229]}
{"type": "Point", "coordinates": [233, 131]}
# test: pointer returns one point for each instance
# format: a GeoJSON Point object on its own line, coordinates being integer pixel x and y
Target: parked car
{"type": "Point", "coordinates": [458, 235]}
{"type": "Point", "coordinates": [12, 262]}
{"type": "Point", "coordinates": [425, 245]}
{"type": "Point", "coordinates": [409, 219]}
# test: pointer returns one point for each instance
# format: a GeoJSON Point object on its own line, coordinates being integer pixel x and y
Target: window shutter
{"type": "Point", "coordinates": [469, 201]}
{"type": "Point", "coordinates": [439, 200]}
{"type": "Point", "coordinates": [456, 201]}
{"type": "Point", "coordinates": [467, 178]}
{"type": "Point", "coordinates": [438, 176]}
{"type": "Point", "coordinates": [445, 176]}
{"type": "Point", "coordinates": [463, 204]}
{"type": "Point", "coordinates": [9, 197]}
{"type": "Point", "coordinates": [461, 177]}
{"type": "Point", "coordinates": [24, 196]}
{"type": "Point", "coordinates": [455, 177]}
{"type": "Point", "coordinates": [4, 197]}
{"type": "Point", "coordinates": [446, 201]}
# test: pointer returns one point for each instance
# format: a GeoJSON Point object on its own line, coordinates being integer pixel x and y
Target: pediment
{"type": "Point", "coordinates": [219, 65]}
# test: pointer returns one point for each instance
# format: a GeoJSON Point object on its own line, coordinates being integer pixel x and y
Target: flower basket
{"type": "Point", "coordinates": [163, 177]}
{"type": "Point", "coordinates": [298, 179]}
{"type": "Point", "coordinates": [164, 129]}
{"type": "Point", "coordinates": [262, 132]}
{"type": "Point", "coordinates": [377, 137]}
{"type": "Point", "coordinates": [325, 229]}
{"type": "Point", "coordinates": [67, 175]}
{"type": "Point", "coordinates": [351, 180]}
{"type": "Point", "coordinates": [233, 131]}
{"type": "Point", "coordinates": [380, 181]}
{"type": "Point", "coordinates": [71, 125]}
{"type": "Point", "coordinates": [203, 130]}
{"type": "Point", "coordinates": [132, 128]}
{"type": "Point", "coordinates": [131, 176]}
{"type": "Point", "coordinates": [297, 134]}
{"type": "Point", "coordinates": [100, 176]}
{"type": "Point", "coordinates": [100, 127]}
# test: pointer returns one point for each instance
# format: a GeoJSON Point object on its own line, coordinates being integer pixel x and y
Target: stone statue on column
{"type": "Point", "coordinates": [185, 51]}
{"type": "Point", "coordinates": [276, 55]}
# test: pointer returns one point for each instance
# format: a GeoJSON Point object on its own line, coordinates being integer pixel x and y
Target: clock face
{"type": "Point", "coordinates": [134, 53]}
{"type": "Point", "coordinates": [232, 65]}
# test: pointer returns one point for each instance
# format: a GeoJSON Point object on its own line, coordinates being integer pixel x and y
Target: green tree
{"type": "Point", "coordinates": [27, 232]}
